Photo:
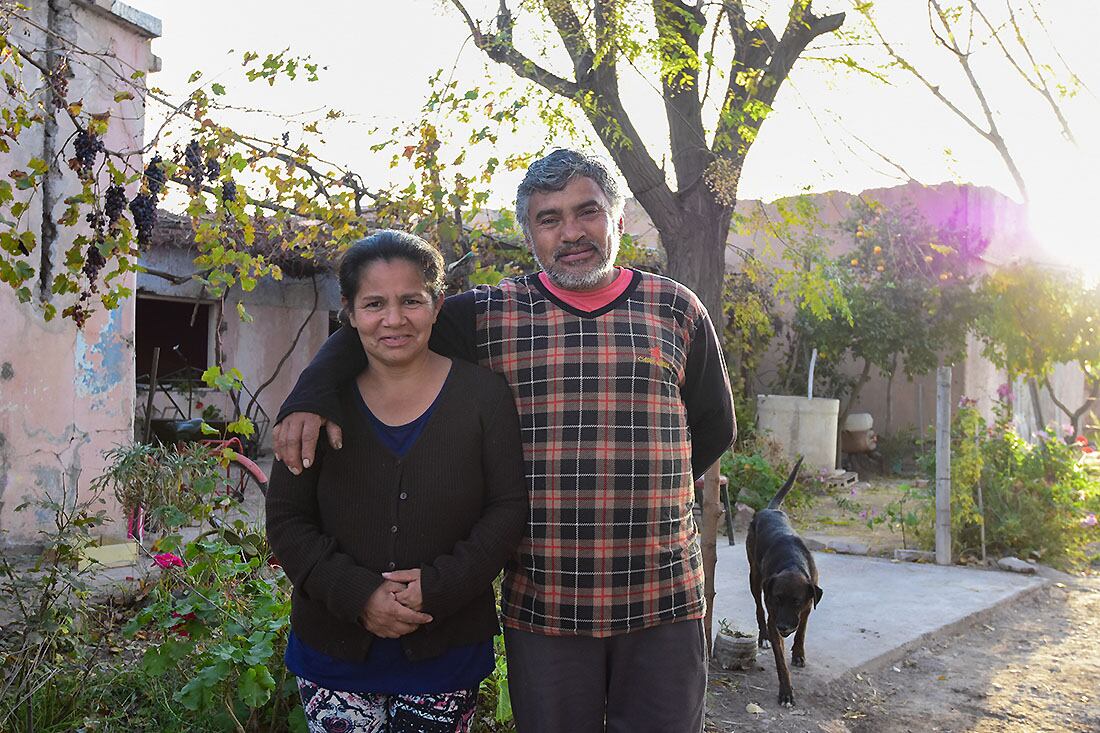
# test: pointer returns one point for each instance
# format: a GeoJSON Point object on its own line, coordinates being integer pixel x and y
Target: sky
{"type": "Point", "coordinates": [830, 130]}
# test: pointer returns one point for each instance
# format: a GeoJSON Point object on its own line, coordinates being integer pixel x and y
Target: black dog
{"type": "Point", "coordinates": [781, 566]}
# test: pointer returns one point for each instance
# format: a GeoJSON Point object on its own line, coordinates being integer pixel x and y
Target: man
{"type": "Point", "coordinates": [623, 398]}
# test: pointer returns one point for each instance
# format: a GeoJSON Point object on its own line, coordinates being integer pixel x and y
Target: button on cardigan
{"type": "Point", "coordinates": [453, 506]}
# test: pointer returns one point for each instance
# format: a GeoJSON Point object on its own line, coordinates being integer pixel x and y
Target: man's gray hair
{"type": "Point", "coordinates": [554, 172]}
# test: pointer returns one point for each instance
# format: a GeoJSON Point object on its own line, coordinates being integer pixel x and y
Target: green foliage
{"type": "Point", "coordinates": [757, 298]}
{"type": "Point", "coordinates": [754, 479]}
{"type": "Point", "coordinates": [494, 703]}
{"type": "Point", "coordinates": [898, 450]}
{"type": "Point", "coordinates": [1037, 498]}
{"type": "Point", "coordinates": [160, 479]}
{"type": "Point", "coordinates": [1035, 318]}
{"type": "Point", "coordinates": [219, 624]}
{"type": "Point", "coordinates": [903, 515]}
{"type": "Point", "coordinates": [909, 301]}
{"type": "Point", "coordinates": [49, 631]}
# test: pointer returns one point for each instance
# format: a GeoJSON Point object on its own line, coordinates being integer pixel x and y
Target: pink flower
{"type": "Point", "coordinates": [967, 402]}
{"type": "Point", "coordinates": [1089, 520]}
{"type": "Point", "coordinates": [168, 560]}
{"type": "Point", "coordinates": [1004, 392]}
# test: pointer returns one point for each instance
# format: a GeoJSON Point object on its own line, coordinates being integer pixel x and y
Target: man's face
{"type": "Point", "coordinates": [573, 236]}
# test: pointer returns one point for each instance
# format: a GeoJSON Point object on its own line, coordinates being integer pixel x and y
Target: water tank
{"type": "Point", "coordinates": [801, 426]}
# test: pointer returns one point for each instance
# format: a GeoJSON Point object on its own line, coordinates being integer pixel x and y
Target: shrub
{"type": "Point", "coordinates": [159, 478]}
{"type": "Point", "coordinates": [221, 614]}
{"type": "Point", "coordinates": [755, 477]}
{"type": "Point", "coordinates": [45, 637]}
{"type": "Point", "coordinates": [1038, 499]}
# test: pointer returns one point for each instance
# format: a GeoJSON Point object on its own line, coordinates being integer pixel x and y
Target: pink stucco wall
{"type": "Point", "coordinates": [66, 395]}
{"type": "Point", "coordinates": [980, 210]}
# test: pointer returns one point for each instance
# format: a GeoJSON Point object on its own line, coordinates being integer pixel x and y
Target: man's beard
{"type": "Point", "coordinates": [572, 280]}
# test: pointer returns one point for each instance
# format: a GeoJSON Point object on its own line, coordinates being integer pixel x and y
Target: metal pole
{"type": "Point", "coordinates": [943, 466]}
{"type": "Point", "coordinates": [152, 391]}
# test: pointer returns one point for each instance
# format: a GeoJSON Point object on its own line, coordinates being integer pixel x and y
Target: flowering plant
{"type": "Point", "coordinates": [168, 560]}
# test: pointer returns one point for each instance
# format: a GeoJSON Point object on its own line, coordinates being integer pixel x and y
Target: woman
{"type": "Point", "coordinates": [392, 542]}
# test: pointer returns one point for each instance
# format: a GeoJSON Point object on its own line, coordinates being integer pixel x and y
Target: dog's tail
{"type": "Point", "coordinates": [778, 498]}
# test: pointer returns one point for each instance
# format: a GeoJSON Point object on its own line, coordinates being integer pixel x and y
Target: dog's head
{"type": "Point", "coordinates": [787, 595]}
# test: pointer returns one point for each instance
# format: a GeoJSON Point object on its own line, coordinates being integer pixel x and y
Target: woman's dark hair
{"type": "Point", "coordinates": [387, 245]}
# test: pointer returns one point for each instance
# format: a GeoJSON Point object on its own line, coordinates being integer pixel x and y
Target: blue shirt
{"type": "Point", "coordinates": [386, 670]}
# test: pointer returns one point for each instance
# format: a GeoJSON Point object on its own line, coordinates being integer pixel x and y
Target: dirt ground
{"type": "Point", "coordinates": [872, 494]}
{"type": "Point", "coordinates": [1031, 665]}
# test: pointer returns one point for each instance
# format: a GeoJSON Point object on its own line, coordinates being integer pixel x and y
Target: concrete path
{"type": "Point", "coordinates": [872, 610]}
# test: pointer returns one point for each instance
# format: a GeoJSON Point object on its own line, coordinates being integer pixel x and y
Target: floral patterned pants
{"type": "Point", "coordinates": [332, 711]}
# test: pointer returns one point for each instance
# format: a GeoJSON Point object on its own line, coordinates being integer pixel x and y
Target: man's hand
{"type": "Point", "coordinates": [296, 439]}
{"type": "Point", "coordinates": [384, 616]}
{"type": "Point", "coordinates": [410, 597]}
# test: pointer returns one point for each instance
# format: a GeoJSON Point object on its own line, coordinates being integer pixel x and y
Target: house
{"type": "Point", "coordinates": [290, 319]}
{"type": "Point", "coordinates": [67, 394]}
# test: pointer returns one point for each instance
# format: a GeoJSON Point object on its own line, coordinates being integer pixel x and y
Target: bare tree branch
{"type": "Point", "coordinates": [678, 35]}
{"type": "Point", "coordinates": [1039, 83]}
{"type": "Point", "coordinates": [762, 64]}
{"type": "Point", "coordinates": [499, 48]}
{"type": "Point", "coordinates": [572, 37]}
{"type": "Point", "coordinates": [606, 113]}
{"type": "Point", "coordinates": [290, 350]}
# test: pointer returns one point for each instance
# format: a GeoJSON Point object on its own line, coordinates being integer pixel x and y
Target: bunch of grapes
{"type": "Point", "coordinates": [192, 158]}
{"type": "Point", "coordinates": [79, 312]}
{"type": "Point", "coordinates": [86, 147]}
{"type": "Point", "coordinates": [93, 263]}
{"type": "Point", "coordinates": [229, 191]}
{"type": "Point", "coordinates": [114, 203]}
{"type": "Point", "coordinates": [155, 176]}
{"type": "Point", "coordinates": [95, 219]}
{"type": "Point", "coordinates": [213, 169]}
{"type": "Point", "coordinates": [144, 210]}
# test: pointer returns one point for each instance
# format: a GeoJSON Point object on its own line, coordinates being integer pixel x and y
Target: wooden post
{"type": "Point", "coordinates": [981, 501]}
{"type": "Point", "coordinates": [708, 538]}
{"type": "Point", "coordinates": [147, 430]}
{"type": "Point", "coordinates": [943, 466]}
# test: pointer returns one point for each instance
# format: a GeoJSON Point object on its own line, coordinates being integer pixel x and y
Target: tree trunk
{"type": "Point", "coordinates": [712, 512]}
{"type": "Point", "coordinates": [695, 243]}
{"type": "Point", "coordinates": [695, 246]}
{"type": "Point", "coordinates": [1033, 390]}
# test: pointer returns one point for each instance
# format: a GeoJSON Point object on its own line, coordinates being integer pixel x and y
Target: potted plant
{"type": "Point", "coordinates": [733, 649]}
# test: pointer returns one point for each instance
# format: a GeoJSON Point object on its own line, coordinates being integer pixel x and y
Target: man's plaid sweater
{"type": "Point", "coordinates": [619, 409]}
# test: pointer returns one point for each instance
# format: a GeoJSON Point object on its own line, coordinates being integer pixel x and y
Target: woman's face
{"type": "Point", "coordinates": [393, 312]}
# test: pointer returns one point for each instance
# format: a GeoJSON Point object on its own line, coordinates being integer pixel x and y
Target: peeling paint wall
{"type": "Point", "coordinates": [67, 395]}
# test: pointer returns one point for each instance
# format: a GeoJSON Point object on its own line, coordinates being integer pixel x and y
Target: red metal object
{"type": "Point", "coordinates": [247, 465]}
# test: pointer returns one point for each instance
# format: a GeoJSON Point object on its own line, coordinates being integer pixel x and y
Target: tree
{"type": "Point", "coordinates": [964, 30]}
{"type": "Point", "coordinates": [909, 292]}
{"type": "Point", "coordinates": [692, 218]}
{"type": "Point", "coordinates": [1033, 319]}
{"type": "Point", "coordinates": [692, 211]}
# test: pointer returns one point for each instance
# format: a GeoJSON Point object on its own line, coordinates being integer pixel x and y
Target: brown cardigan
{"type": "Point", "coordinates": [454, 506]}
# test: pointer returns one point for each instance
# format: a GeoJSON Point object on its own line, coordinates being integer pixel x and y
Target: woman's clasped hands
{"type": "Point", "coordinates": [395, 607]}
